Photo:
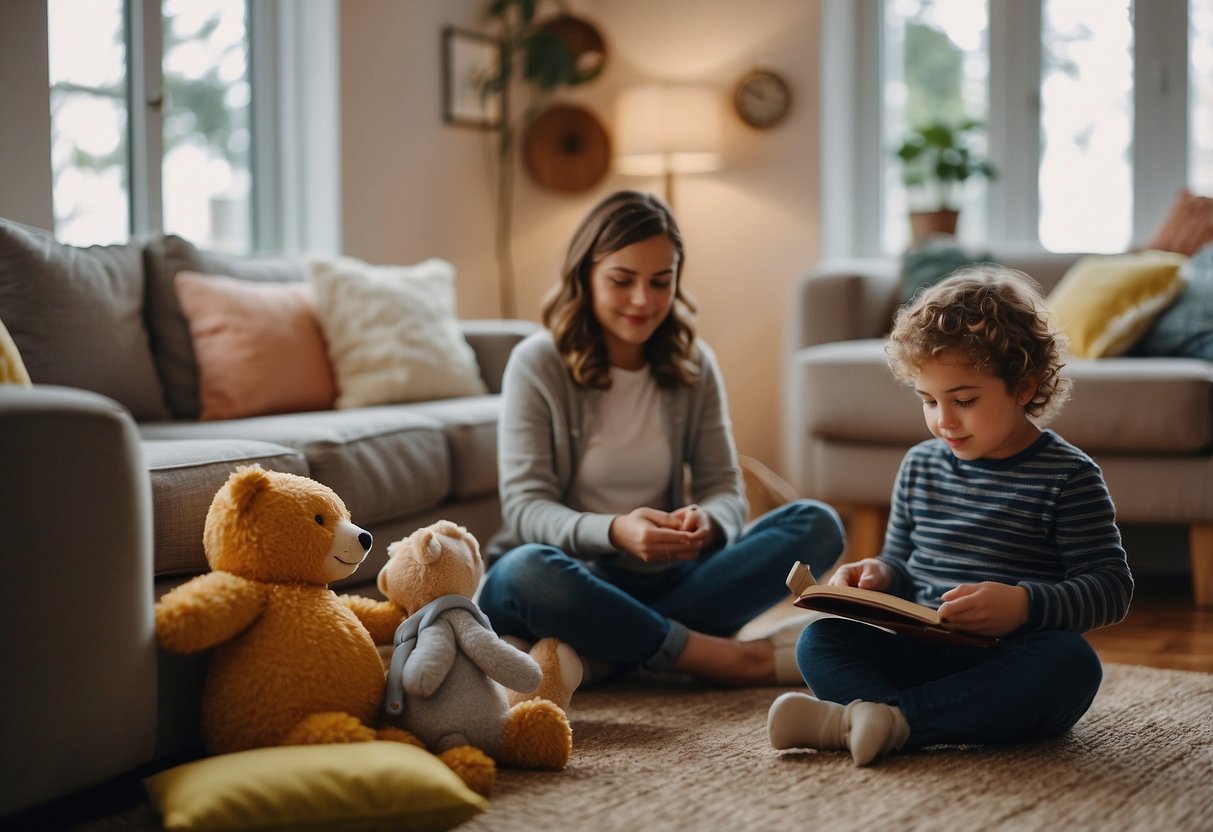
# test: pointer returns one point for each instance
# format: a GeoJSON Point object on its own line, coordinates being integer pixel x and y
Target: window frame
{"type": "Point", "coordinates": [295, 158]}
{"type": "Point", "coordinates": [852, 157]}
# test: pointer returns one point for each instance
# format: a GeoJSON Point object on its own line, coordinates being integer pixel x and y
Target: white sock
{"type": "Point", "coordinates": [873, 729]}
{"type": "Point", "coordinates": [797, 720]}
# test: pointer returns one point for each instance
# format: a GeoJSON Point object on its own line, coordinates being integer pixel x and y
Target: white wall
{"type": "Point", "coordinates": [25, 122]}
{"type": "Point", "coordinates": [414, 187]}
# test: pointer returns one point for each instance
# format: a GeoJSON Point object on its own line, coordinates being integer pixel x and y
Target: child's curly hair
{"type": "Point", "coordinates": [996, 317]}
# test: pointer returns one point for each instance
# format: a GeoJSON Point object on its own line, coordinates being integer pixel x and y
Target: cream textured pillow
{"type": "Point", "coordinates": [350, 786]}
{"type": "Point", "coordinates": [258, 346]}
{"type": "Point", "coordinates": [1104, 302]}
{"type": "Point", "coordinates": [392, 332]}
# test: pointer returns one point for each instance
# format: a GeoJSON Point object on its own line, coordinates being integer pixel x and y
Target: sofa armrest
{"type": "Point", "coordinates": [78, 657]}
{"type": "Point", "coordinates": [843, 300]}
{"type": "Point", "coordinates": [492, 339]}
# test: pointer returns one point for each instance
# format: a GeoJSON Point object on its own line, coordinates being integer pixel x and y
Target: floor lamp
{"type": "Point", "coordinates": [664, 129]}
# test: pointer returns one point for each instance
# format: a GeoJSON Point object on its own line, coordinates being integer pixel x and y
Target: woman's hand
{"type": "Point", "coordinates": [868, 573]}
{"type": "Point", "coordinates": [657, 536]}
{"type": "Point", "coordinates": [698, 523]}
{"type": "Point", "coordinates": [987, 608]}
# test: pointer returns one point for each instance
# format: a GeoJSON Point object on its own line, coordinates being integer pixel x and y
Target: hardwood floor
{"type": "Point", "coordinates": [1163, 628]}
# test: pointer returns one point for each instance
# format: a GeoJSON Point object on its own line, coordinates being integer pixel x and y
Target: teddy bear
{"type": "Point", "coordinates": [291, 664]}
{"type": "Point", "coordinates": [451, 678]}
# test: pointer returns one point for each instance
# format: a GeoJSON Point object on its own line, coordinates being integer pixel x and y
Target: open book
{"type": "Point", "coordinates": [877, 608]}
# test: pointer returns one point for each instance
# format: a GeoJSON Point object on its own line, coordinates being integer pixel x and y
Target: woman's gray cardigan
{"type": "Point", "coordinates": [545, 418]}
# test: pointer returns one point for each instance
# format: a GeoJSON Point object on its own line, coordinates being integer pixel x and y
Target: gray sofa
{"type": "Point", "coordinates": [1148, 422]}
{"type": "Point", "coordinates": [107, 475]}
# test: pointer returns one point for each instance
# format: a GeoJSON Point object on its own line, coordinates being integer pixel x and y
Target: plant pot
{"type": "Point", "coordinates": [924, 224]}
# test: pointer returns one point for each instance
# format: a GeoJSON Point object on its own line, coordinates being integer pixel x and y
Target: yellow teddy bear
{"type": "Point", "coordinates": [470, 696]}
{"type": "Point", "coordinates": [291, 663]}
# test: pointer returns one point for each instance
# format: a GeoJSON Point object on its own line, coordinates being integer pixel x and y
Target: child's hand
{"type": "Point", "coordinates": [987, 608]}
{"type": "Point", "coordinates": [868, 573]}
{"type": "Point", "coordinates": [654, 536]}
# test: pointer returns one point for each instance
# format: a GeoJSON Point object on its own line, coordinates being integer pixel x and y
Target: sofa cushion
{"type": "Point", "coordinates": [1122, 405]}
{"type": "Point", "coordinates": [1185, 328]}
{"type": "Point", "coordinates": [76, 316]}
{"type": "Point", "coordinates": [934, 259]}
{"type": "Point", "coordinates": [1139, 405]}
{"type": "Point", "coordinates": [392, 332]}
{"type": "Point", "coordinates": [12, 368]}
{"type": "Point", "coordinates": [384, 462]}
{"type": "Point", "coordinates": [185, 474]}
{"type": "Point", "coordinates": [1105, 302]}
{"type": "Point", "coordinates": [258, 346]}
{"type": "Point", "coordinates": [336, 786]}
{"type": "Point", "coordinates": [1187, 226]}
{"type": "Point", "coordinates": [850, 394]}
{"type": "Point", "coordinates": [470, 427]}
{"type": "Point", "coordinates": [167, 324]}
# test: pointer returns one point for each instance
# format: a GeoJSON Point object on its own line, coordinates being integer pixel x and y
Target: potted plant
{"type": "Point", "coordinates": [547, 54]}
{"type": "Point", "coordinates": [937, 159]}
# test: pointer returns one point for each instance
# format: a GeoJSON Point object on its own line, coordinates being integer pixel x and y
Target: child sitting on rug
{"type": "Point", "coordinates": [1007, 529]}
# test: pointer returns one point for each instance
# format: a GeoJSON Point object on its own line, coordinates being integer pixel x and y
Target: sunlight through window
{"type": "Point", "coordinates": [937, 68]}
{"type": "Point", "coordinates": [203, 180]}
{"type": "Point", "coordinates": [1086, 98]}
{"type": "Point", "coordinates": [1200, 92]}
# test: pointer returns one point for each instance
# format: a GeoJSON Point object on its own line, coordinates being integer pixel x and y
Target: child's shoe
{"type": "Point", "coordinates": [867, 729]}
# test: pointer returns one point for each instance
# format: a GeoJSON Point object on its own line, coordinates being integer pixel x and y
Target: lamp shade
{"type": "Point", "coordinates": [667, 128]}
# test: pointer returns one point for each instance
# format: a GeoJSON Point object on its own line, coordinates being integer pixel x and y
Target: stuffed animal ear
{"type": "Point", "coordinates": [245, 484]}
{"type": "Point", "coordinates": [474, 544]}
{"type": "Point", "coordinates": [429, 548]}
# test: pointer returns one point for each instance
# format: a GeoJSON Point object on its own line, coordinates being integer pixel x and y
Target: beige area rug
{"type": "Point", "coordinates": [658, 754]}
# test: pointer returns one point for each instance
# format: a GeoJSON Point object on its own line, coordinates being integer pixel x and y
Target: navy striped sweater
{"type": "Point", "coordinates": [1042, 519]}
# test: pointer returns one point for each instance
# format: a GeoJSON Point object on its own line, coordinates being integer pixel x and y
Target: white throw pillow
{"type": "Point", "coordinates": [391, 331]}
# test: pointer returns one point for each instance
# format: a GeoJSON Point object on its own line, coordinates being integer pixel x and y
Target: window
{"type": "Point", "coordinates": [937, 68]}
{"type": "Point", "coordinates": [1086, 125]}
{"type": "Point", "coordinates": [1200, 89]}
{"type": "Point", "coordinates": [90, 123]}
{"type": "Point", "coordinates": [197, 159]}
{"type": "Point", "coordinates": [198, 97]}
{"type": "Point", "coordinates": [206, 173]}
{"type": "Point", "coordinates": [1098, 111]}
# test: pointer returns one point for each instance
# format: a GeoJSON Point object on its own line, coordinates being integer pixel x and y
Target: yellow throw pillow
{"type": "Point", "coordinates": [349, 786]}
{"type": "Point", "coordinates": [12, 368]}
{"type": "Point", "coordinates": [1104, 302]}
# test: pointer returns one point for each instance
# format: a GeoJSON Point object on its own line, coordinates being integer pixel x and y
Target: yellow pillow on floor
{"type": "Point", "coordinates": [12, 368]}
{"type": "Point", "coordinates": [1105, 302]}
{"type": "Point", "coordinates": [347, 786]}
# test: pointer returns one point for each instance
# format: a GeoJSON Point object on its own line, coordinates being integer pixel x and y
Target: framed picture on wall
{"type": "Point", "coordinates": [469, 61]}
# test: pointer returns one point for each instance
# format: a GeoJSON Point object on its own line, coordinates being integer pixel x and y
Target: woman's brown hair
{"type": "Point", "coordinates": [623, 218]}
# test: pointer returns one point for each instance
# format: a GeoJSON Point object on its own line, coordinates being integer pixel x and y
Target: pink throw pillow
{"type": "Point", "coordinates": [258, 346]}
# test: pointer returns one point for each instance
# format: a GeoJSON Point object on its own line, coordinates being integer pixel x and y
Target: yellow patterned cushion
{"type": "Point", "coordinates": [350, 786]}
{"type": "Point", "coordinates": [12, 368]}
{"type": "Point", "coordinates": [1104, 302]}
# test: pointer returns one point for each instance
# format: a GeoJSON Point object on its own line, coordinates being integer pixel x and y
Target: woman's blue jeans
{"type": "Point", "coordinates": [623, 617]}
{"type": "Point", "coordinates": [1031, 685]}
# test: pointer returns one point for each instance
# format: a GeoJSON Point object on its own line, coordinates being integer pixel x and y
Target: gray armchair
{"type": "Point", "coordinates": [78, 657]}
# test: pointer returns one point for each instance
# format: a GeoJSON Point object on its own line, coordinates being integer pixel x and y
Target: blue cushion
{"type": "Point", "coordinates": [934, 259]}
{"type": "Point", "coordinates": [1185, 328]}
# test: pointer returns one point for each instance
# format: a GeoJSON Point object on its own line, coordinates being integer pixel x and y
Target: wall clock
{"type": "Point", "coordinates": [762, 98]}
